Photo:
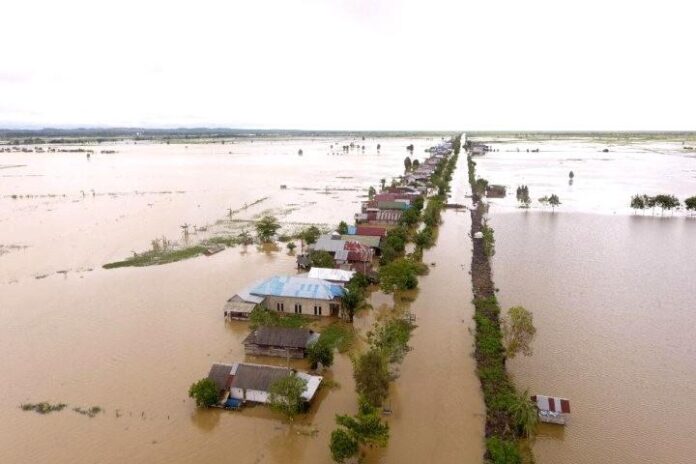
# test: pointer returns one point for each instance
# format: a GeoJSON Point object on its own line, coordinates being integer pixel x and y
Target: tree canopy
{"type": "Point", "coordinates": [407, 164]}
{"type": "Point", "coordinates": [518, 331]}
{"type": "Point", "coordinates": [400, 274]}
{"type": "Point", "coordinates": [286, 395]}
{"type": "Point", "coordinates": [204, 392]}
{"type": "Point", "coordinates": [320, 352]}
{"type": "Point", "coordinates": [310, 235]}
{"type": "Point", "coordinates": [266, 227]}
{"type": "Point", "coordinates": [690, 203]}
{"type": "Point", "coordinates": [342, 228]}
{"type": "Point", "coordinates": [321, 258]}
{"type": "Point", "coordinates": [372, 376]}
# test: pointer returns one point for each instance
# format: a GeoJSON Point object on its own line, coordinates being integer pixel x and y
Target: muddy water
{"type": "Point", "coordinates": [612, 297]}
{"type": "Point", "coordinates": [132, 340]}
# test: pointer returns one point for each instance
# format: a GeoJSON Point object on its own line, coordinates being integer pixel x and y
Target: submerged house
{"type": "Point", "coordinates": [284, 342]}
{"type": "Point", "coordinates": [301, 295]}
{"type": "Point", "coordinates": [252, 382]}
{"type": "Point", "coordinates": [239, 307]}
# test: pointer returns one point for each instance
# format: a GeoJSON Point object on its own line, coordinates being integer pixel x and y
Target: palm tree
{"type": "Point", "coordinates": [524, 413]}
{"type": "Point", "coordinates": [350, 301]}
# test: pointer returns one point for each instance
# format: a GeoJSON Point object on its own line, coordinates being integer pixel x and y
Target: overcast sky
{"type": "Point", "coordinates": [342, 64]}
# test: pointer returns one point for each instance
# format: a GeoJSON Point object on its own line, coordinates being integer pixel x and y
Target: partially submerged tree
{"type": "Point", "coordinates": [371, 375]}
{"type": "Point", "coordinates": [266, 228]}
{"type": "Point", "coordinates": [407, 164]}
{"type": "Point", "coordinates": [554, 201]}
{"type": "Point", "coordinates": [371, 192]}
{"type": "Point", "coordinates": [667, 202]}
{"type": "Point", "coordinates": [291, 246]}
{"type": "Point", "coordinates": [343, 446]}
{"type": "Point", "coordinates": [400, 274]}
{"type": "Point", "coordinates": [320, 352]}
{"type": "Point", "coordinates": [310, 235]}
{"type": "Point", "coordinates": [518, 331]}
{"type": "Point", "coordinates": [690, 203]}
{"type": "Point", "coordinates": [415, 164]}
{"type": "Point", "coordinates": [638, 202]}
{"type": "Point", "coordinates": [351, 300]}
{"type": "Point", "coordinates": [204, 392]}
{"type": "Point", "coordinates": [285, 395]}
{"type": "Point", "coordinates": [524, 413]}
{"type": "Point", "coordinates": [382, 182]}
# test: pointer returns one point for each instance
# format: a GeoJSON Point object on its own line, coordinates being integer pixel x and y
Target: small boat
{"type": "Point", "coordinates": [552, 409]}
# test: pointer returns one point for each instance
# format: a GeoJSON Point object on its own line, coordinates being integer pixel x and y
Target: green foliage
{"type": "Point", "coordinates": [285, 395]}
{"type": "Point", "coordinates": [321, 258]}
{"type": "Point", "coordinates": [291, 246]}
{"type": "Point", "coordinates": [338, 335]}
{"type": "Point", "coordinates": [371, 192]}
{"type": "Point", "coordinates": [351, 300]}
{"type": "Point", "coordinates": [638, 202]}
{"type": "Point", "coordinates": [502, 451]}
{"type": "Point", "coordinates": [159, 256]}
{"type": "Point", "coordinates": [400, 274]}
{"type": "Point", "coordinates": [523, 196]}
{"type": "Point", "coordinates": [554, 201]}
{"type": "Point", "coordinates": [407, 164]}
{"type": "Point", "coordinates": [366, 427]}
{"type": "Point", "coordinates": [342, 228]}
{"type": "Point", "coordinates": [524, 413]}
{"type": "Point", "coordinates": [261, 316]}
{"type": "Point", "coordinates": [371, 375]}
{"type": "Point", "coordinates": [667, 202]}
{"type": "Point", "coordinates": [488, 240]}
{"type": "Point", "coordinates": [320, 352]}
{"type": "Point", "coordinates": [43, 407]}
{"type": "Point", "coordinates": [310, 235]}
{"type": "Point", "coordinates": [205, 392]}
{"type": "Point", "coordinates": [690, 203]}
{"type": "Point", "coordinates": [410, 217]}
{"type": "Point", "coordinates": [266, 227]}
{"type": "Point", "coordinates": [415, 164]}
{"type": "Point", "coordinates": [518, 331]}
{"type": "Point", "coordinates": [425, 238]}
{"type": "Point", "coordinates": [359, 280]}
{"type": "Point", "coordinates": [480, 186]}
{"type": "Point", "coordinates": [343, 446]}
{"type": "Point", "coordinates": [392, 337]}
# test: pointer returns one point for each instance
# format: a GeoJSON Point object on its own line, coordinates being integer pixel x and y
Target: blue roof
{"type": "Point", "coordinates": [297, 287]}
{"type": "Point", "coordinates": [352, 230]}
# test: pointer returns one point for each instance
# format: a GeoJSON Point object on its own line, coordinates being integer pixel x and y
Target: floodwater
{"type": "Point", "coordinates": [613, 301]}
{"type": "Point", "coordinates": [132, 340]}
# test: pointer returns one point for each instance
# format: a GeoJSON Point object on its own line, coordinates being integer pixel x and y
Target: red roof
{"type": "Point", "coordinates": [358, 251]}
{"type": "Point", "coordinates": [371, 231]}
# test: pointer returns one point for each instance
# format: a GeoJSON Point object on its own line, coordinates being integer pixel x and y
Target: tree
{"type": "Point", "coordinates": [371, 192]}
{"type": "Point", "coordinates": [407, 164]}
{"type": "Point", "coordinates": [554, 201]}
{"type": "Point", "coordinates": [690, 203]}
{"type": "Point", "coordinates": [666, 202]}
{"type": "Point", "coordinates": [205, 392]}
{"type": "Point", "coordinates": [342, 228]}
{"type": "Point", "coordinates": [571, 174]}
{"type": "Point", "coordinates": [518, 331]}
{"type": "Point", "coordinates": [410, 217]}
{"type": "Point", "coordinates": [379, 146]}
{"type": "Point", "coordinates": [343, 445]}
{"type": "Point", "coordinates": [351, 300]}
{"type": "Point", "coordinates": [399, 274]}
{"type": "Point", "coordinates": [410, 148]}
{"type": "Point", "coordinates": [415, 164]}
{"type": "Point", "coordinates": [383, 181]}
{"type": "Point", "coordinates": [266, 227]}
{"type": "Point", "coordinates": [291, 246]}
{"type": "Point", "coordinates": [321, 259]}
{"type": "Point", "coordinates": [638, 202]}
{"type": "Point", "coordinates": [286, 395]}
{"type": "Point", "coordinates": [524, 413]}
{"type": "Point", "coordinates": [372, 377]}
{"type": "Point", "coordinates": [320, 352]}
{"type": "Point", "coordinates": [503, 451]}
{"type": "Point", "coordinates": [480, 186]}
{"type": "Point", "coordinates": [424, 238]}
{"type": "Point", "coordinates": [310, 235]}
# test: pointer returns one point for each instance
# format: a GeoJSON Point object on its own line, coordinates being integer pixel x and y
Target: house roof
{"type": "Point", "coordinates": [371, 231]}
{"type": "Point", "coordinates": [279, 336]}
{"type": "Point", "coordinates": [396, 204]}
{"type": "Point", "coordinates": [341, 255]}
{"type": "Point", "coordinates": [257, 376]}
{"type": "Point", "coordinates": [334, 275]}
{"type": "Point", "coordinates": [391, 215]}
{"type": "Point", "coordinates": [358, 252]}
{"type": "Point", "coordinates": [367, 240]}
{"type": "Point", "coordinates": [298, 287]}
{"type": "Point", "coordinates": [220, 373]}
{"type": "Point", "coordinates": [329, 243]}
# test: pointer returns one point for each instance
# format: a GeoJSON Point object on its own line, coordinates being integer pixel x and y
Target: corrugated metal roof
{"type": "Point", "coordinates": [220, 374]}
{"type": "Point", "coordinates": [372, 231]}
{"type": "Point", "coordinates": [334, 275]}
{"type": "Point", "coordinates": [341, 255]}
{"type": "Point", "coordinates": [329, 244]}
{"type": "Point", "coordinates": [298, 287]}
{"type": "Point", "coordinates": [367, 240]}
{"type": "Point", "coordinates": [396, 204]}
{"type": "Point", "coordinates": [285, 337]}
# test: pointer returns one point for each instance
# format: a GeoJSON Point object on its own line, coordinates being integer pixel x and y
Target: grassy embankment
{"type": "Point", "coordinates": [503, 434]}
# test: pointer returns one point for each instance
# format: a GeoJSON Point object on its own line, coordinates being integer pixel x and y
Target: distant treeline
{"type": "Point", "coordinates": [53, 135]}
{"type": "Point", "coordinates": [662, 201]}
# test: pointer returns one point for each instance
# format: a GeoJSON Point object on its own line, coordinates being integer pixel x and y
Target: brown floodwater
{"type": "Point", "coordinates": [132, 340]}
{"type": "Point", "coordinates": [613, 302]}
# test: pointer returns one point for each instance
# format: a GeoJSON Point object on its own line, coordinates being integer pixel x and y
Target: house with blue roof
{"type": "Point", "coordinates": [299, 295]}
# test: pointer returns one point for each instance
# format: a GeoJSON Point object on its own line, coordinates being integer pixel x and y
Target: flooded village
{"type": "Point", "coordinates": [176, 296]}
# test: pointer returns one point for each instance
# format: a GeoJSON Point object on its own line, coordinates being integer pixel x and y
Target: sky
{"type": "Point", "coordinates": [349, 64]}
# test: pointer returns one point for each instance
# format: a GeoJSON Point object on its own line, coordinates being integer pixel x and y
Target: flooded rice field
{"type": "Point", "coordinates": [132, 340]}
{"type": "Point", "coordinates": [612, 296]}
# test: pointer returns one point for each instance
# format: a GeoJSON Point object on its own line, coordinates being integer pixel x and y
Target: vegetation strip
{"type": "Point", "coordinates": [509, 415]}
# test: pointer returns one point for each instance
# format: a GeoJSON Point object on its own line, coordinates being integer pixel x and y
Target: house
{"type": "Point", "coordinates": [401, 205]}
{"type": "Point", "coordinates": [252, 382]}
{"type": "Point", "coordinates": [301, 295]}
{"type": "Point", "coordinates": [335, 276]}
{"type": "Point", "coordinates": [495, 191]}
{"type": "Point", "coordinates": [552, 409]}
{"type": "Point", "coordinates": [282, 342]}
{"type": "Point", "coordinates": [330, 243]}
{"type": "Point", "coordinates": [240, 305]}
